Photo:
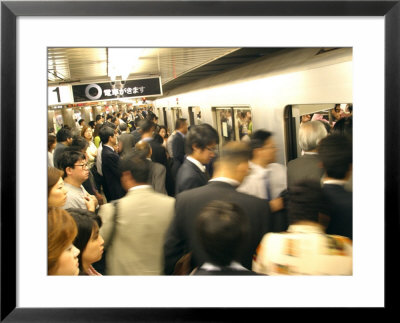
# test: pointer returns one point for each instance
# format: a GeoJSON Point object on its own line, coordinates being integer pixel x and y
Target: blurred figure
{"type": "Point", "coordinates": [51, 145]}
{"type": "Point", "coordinates": [157, 173]}
{"type": "Point", "coordinates": [201, 144]}
{"type": "Point", "coordinates": [159, 153]}
{"type": "Point", "coordinates": [344, 127]}
{"type": "Point", "coordinates": [336, 155]}
{"type": "Point", "coordinates": [64, 139]}
{"type": "Point", "coordinates": [305, 118]}
{"type": "Point", "coordinates": [349, 110]}
{"type": "Point", "coordinates": [304, 249]}
{"type": "Point", "coordinates": [307, 166]}
{"type": "Point", "coordinates": [164, 135]}
{"type": "Point", "coordinates": [88, 240]}
{"type": "Point", "coordinates": [62, 255]}
{"type": "Point", "coordinates": [134, 226]}
{"type": "Point", "coordinates": [178, 145]}
{"type": "Point", "coordinates": [229, 171]}
{"type": "Point", "coordinates": [125, 141]}
{"type": "Point", "coordinates": [91, 150]}
{"type": "Point", "coordinates": [56, 192]}
{"type": "Point", "coordinates": [266, 179]}
{"type": "Point", "coordinates": [222, 229]}
{"type": "Point", "coordinates": [335, 115]}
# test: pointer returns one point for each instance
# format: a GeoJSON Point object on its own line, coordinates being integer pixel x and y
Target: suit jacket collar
{"type": "Point", "coordinates": [108, 148]}
{"type": "Point", "coordinates": [222, 185]}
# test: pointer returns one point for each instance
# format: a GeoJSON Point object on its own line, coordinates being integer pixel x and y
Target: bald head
{"type": "Point", "coordinates": [144, 148]}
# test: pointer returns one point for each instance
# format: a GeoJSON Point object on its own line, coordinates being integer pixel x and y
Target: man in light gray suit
{"type": "Point", "coordinates": [307, 166]}
{"type": "Point", "coordinates": [134, 226]}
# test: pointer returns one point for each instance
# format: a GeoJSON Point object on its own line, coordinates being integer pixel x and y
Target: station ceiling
{"type": "Point", "coordinates": [175, 66]}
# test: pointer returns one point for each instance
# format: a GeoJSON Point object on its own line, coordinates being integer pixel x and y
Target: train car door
{"type": "Point", "coordinates": [176, 113]}
{"type": "Point", "coordinates": [194, 115]}
{"type": "Point", "coordinates": [296, 114]}
{"type": "Point", "coordinates": [232, 123]}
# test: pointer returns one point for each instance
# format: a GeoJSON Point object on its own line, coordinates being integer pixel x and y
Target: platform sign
{"type": "Point", "coordinates": [59, 95]}
{"type": "Point", "coordinates": [105, 91]}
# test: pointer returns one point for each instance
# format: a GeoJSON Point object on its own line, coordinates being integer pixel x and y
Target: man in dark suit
{"type": "Point", "coordinates": [230, 170]}
{"type": "Point", "coordinates": [178, 145]}
{"type": "Point", "coordinates": [307, 166]}
{"type": "Point", "coordinates": [335, 152]}
{"type": "Point", "coordinates": [201, 144]}
{"type": "Point", "coordinates": [110, 165]}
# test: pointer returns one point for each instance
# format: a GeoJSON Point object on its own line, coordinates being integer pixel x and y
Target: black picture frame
{"type": "Point", "coordinates": [10, 10]}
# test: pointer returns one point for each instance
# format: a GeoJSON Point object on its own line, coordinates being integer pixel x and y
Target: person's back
{"type": "Point", "coordinates": [181, 237]}
{"type": "Point", "coordinates": [336, 155]}
{"type": "Point", "coordinates": [305, 249]}
{"type": "Point", "coordinates": [134, 240]}
{"type": "Point", "coordinates": [222, 228]}
{"type": "Point", "coordinates": [308, 165]}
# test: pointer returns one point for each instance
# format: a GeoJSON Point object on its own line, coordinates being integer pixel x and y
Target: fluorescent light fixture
{"type": "Point", "coordinates": [121, 61]}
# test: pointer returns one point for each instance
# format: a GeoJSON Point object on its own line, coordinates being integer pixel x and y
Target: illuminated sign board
{"type": "Point", "coordinates": [117, 90]}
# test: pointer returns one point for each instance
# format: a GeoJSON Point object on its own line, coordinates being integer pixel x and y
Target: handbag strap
{"type": "Point", "coordinates": [115, 214]}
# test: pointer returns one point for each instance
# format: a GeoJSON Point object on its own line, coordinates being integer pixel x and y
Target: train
{"type": "Point", "coordinates": [275, 90]}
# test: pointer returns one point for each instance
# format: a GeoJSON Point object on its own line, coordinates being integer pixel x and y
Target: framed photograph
{"type": "Point", "coordinates": [372, 28]}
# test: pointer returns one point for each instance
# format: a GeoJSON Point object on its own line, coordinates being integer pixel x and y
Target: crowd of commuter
{"type": "Point", "coordinates": [125, 197]}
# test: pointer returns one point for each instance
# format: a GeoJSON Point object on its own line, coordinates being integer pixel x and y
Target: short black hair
{"type": "Point", "coordinates": [343, 127]}
{"type": "Point", "coordinates": [258, 138]}
{"type": "Point", "coordinates": [80, 121]}
{"type": "Point", "coordinates": [305, 201]}
{"type": "Point", "coordinates": [336, 154]}
{"type": "Point", "coordinates": [68, 159]}
{"type": "Point", "coordinates": [105, 133]}
{"type": "Point", "coordinates": [86, 223]}
{"type": "Point", "coordinates": [98, 117]}
{"type": "Point", "coordinates": [201, 136]}
{"type": "Point", "coordinates": [222, 228]}
{"type": "Point", "coordinates": [146, 125]}
{"type": "Point", "coordinates": [137, 166]}
{"type": "Point", "coordinates": [80, 142]}
{"type": "Point", "coordinates": [179, 123]}
{"type": "Point", "coordinates": [63, 134]}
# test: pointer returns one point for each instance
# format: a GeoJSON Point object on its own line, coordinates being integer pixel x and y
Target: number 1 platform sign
{"type": "Point", "coordinates": [57, 95]}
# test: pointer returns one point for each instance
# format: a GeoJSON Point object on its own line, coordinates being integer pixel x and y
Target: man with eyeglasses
{"type": "Point", "coordinates": [201, 143]}
{"type": "Point", "coordinates": [76, 171]}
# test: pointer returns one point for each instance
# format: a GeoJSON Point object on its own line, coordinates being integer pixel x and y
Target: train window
{"type": "Point", "coordinates": [295, 115]}
{"type": "Point", "coordinates": [233, 123]}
